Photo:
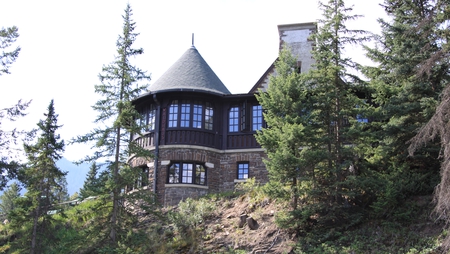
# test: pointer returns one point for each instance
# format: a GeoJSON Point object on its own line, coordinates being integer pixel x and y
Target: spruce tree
{"type": "Point", "coordinates": [435, 68]}
{"type": "Point", "coordinates": [406, 100]}
{"type": "Point", "coordinates": [315, 122]}
{"type": "Point", "coordinates": [7, 199]}
{"type": "Point", "coordinates": [42, 179]}
{"type": "Point", "coordinates": [121, 83]}
{"type": "Point", "coordinates": [91, 184]}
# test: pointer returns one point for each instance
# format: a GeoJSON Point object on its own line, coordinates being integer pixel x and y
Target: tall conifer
{"type": "Point", "coordinates": [42, 178]}
{"type": "Point", "coordinates": [315, 121]}
{"type": "Point", "coordinates": [406, 100]}
{"type": "Point", "coordinates": [121, 83]}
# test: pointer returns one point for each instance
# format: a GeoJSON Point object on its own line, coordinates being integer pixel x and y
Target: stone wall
{"type": "Point", "coordinates": [221, 172]}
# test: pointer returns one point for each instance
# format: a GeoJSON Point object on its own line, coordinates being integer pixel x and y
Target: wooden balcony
{"type": "Point", "coordinates": [241, 141]}
{"type": "Point", "coordinates": [192, 137]}
{"type": "Point", "coordinates": [199, 138]}
{"type": "Point", "coordinates": [146, 141]}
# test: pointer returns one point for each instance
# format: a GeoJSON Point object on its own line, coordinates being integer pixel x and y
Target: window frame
{"type": "Point", "coordinates": [173, 114]}
{"type": "Point", "coordinates": [240, 175]}
{"type": "Point", "coordinates": [260, 117]}
{"type": "Point", "coordinates": [191, 114]}
{"type": "Point", "coordinates": [188, 171]}
{"type": "Point", "coordinates": [233, 114]}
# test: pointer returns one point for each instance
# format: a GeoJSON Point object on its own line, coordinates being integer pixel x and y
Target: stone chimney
{"type": "Point", "coordinates": [297, 38]}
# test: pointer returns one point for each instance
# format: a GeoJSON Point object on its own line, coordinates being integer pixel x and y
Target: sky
{"type": "Point", "coordinates": [66, 43]}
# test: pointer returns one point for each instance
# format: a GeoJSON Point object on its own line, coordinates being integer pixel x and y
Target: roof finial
{"type": "Point", "coordinates": [193, 41]}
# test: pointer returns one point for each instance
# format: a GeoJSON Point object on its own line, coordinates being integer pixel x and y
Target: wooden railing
{"type": "Point", "coordinates": [241, 141]}
{"type": "Point", "coordinates": [191, 137]}
{"type": "Point", "coordinates": [199, 138]}
{"type": "Point", "coordinates": [147, 140]}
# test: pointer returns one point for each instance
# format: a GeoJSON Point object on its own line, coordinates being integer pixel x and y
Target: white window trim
{"type": "Point", "coordinates": [185, 185]}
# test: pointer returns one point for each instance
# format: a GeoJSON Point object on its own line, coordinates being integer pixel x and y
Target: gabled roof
{"type": "Point", "coordinates": [189, 73]}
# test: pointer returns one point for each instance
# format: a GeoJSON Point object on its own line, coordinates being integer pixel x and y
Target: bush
{"type": "Point", "coordinates": [191, 213]}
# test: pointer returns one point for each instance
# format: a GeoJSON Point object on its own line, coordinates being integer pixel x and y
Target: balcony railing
{"type": "Point", "coordinates": [191, 137]}
{"type": "Point", "coordinates": [199, 138]}
{"type": "Point", "coordinates": [241, 141]}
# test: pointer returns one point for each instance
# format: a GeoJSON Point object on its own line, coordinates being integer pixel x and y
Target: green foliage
{"type": "Point", "coordinates": [9, 140]}
{"type": "Point", "coordinates": [121, 83]}
{"type": "Point", "coordinates": [8, 37]}
{"type": "Point", "coordinates": [314, 141]}
{"type": "Point", "coordinates": [7, 199]}
{"type": "Point", "coordinates": [44, 182]}
{"type": "Point", "coordinates": [93, 184]}
{"type": "Point", "coordinates": [191, 213]}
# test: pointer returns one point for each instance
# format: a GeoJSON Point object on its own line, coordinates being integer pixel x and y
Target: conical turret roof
{"type": "Point", "coordinates": [189, 73]}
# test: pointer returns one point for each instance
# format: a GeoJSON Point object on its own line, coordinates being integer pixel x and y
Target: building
{"type": "Point", "coordinates": [201, 134]}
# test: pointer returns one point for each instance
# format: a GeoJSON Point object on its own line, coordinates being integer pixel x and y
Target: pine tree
{"type": "Point", "coordinates": [435, 69]}
{"type": "Point", "coordinates": [311, 120]}
{"type": "Point", "coordinates": [10, 138]}
{"type": "Point", "coordinates": [288, 130]}
{"type": "Point", "coordinates": [42, 178]}
{"type": "Point", "coordinates": [8, 36]}
{"type": "Point", "coordinates": [91, 185]}
{"type": "Point", "coordinates": [7, 199]}
{"type": "Point", "coordinates": [121, 83]}
{"type": "Point", "coordinates": [406, 100]}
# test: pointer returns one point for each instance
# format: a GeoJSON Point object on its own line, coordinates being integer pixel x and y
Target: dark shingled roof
{"type": "Point", "coordinates": [189, 73]}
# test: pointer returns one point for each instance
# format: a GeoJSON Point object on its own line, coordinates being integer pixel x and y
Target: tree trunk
{"type": "Point", "coordinates": [35, 223]}
{"type": "Point", "coordinates": [116, 192]}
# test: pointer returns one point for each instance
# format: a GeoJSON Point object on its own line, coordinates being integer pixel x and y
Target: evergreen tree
{"type": "Point", "coordinates": [8, 36]}
{"type": "Point", "coordinates": [9, 142]}
{"type": "Point", "coordinates": [121, 83]}
{"type": "Point", "coordinates": [91, 184]}
{"type": "Point", "coordinates": [42, 178]}
{"type": "Point", "coordinates": [7, 199]}
{"type": "Point", "coordinates": [406, 100]}
{"type": "Point", "coordinates": [10, 138]}
{"type": "Point", "coordinates": [312, 118]}
{"type": "Point", "coordinates": [60, 191]}
{"type": "Point", "coordinates": [436, 19]}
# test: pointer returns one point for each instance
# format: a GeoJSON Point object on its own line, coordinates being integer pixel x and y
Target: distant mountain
{"type": "Point", "coordinates": [76, 174]}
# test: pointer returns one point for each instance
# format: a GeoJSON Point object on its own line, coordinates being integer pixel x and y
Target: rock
{"type": "Point", "coordinates": [251, 223]}
{"type": "Point", "coordinates": [242, 220]}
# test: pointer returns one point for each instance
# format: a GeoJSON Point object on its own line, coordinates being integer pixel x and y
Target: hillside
{"type": "Point", "coordinates": [246, 224]}
{"type": "Point", "coordinates": [236, 222]}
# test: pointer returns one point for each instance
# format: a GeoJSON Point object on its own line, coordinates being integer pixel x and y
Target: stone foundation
{"type": "Point", "coordinates": [221, 172]}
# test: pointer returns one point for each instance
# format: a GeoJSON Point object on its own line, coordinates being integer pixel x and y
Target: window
{"type": "Point", "coordinates": [200, 175]}
{"type": "Point", "coordinates": [191, 115]}
{"type": "Point", "coordinates": [151, 116]}
{"type": "Point", "coordinates": [209, 116]}
{"type": "Point", "coordinates": [197, 115]}
{"type": "Point", "coordinates": [173, 114]}
{"type": "Point", "coordinates": [185, 114]}
{"type": "Point", "coordinates": [233, 124]}
{"type": "Point", "coordinates": [142, 180]}
{"type": "Point", "coordinates": [257, 118]}
{"type": "Point", "coordinates": [174, 173]}
{"type": "Point", "coordinates": [182, 172]}
{"type": "Point", "coordinates": [242, 172]}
